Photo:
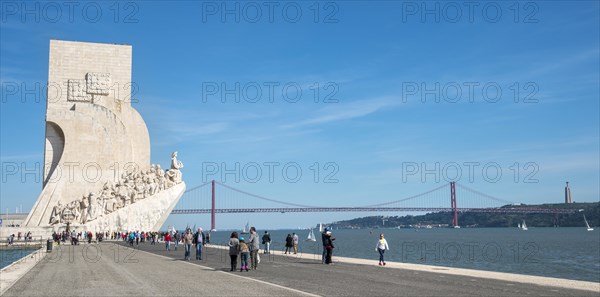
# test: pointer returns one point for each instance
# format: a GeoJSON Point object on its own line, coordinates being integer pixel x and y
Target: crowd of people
{"type": "Point", "coordinates": [244, 248]}
{"type": "Point", "coordinates": [10, 240]}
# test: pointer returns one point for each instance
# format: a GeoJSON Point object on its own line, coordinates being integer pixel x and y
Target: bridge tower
{"type": "Point", "coordinates": [212, 211]}
{"type": "Point", "coordinates": [453, 204]}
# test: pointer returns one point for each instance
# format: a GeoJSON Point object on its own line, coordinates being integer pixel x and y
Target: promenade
{"type": "Point", "coordinates": [113, 269]}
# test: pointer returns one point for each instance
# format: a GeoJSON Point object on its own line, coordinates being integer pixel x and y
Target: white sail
{"type": "Point", "coordinates": [524, 226]}
{"type": "Point", "coordinates": [519, 225]}
{"type": "Point", "coordinates": [311, 236]}
{"type": "Point", "coordinates": [587, 225]}
{"type": "Point", "coordinates": [320, 227]}
{"type": "Point", "coordinates": [246, 228]}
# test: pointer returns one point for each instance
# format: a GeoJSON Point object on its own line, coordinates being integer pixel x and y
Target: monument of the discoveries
{"type": "Point", "coordinates": [97, 174]}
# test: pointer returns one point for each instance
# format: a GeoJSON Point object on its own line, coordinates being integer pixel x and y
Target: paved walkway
{"type": "Point", "coordinates": [149, 270]}
{"type": "Point", "coordinates": [107, 269]}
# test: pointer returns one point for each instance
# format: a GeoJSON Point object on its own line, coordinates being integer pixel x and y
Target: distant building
{"type": "Point", "coordinates": [568, 198]}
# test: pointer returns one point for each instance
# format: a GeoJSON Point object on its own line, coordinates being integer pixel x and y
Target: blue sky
{"type": "Point", "coordinates": [375, 58]}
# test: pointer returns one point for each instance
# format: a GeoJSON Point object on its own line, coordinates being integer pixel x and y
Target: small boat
{"type": "Point", "coordinates": [587, 225]}
{"type": "Point", "coordinates": [524, 226]}
{"type": "Point", "coordinates": [320, 227]}
{"type": "Point", "coordinates": [457, 227]}
{"type": "Point", "coordinates": [311, 236]}
{"type": "Point", "coordinates": [246, 228]}
{"type": "Point", "coordinates": [519, 225]}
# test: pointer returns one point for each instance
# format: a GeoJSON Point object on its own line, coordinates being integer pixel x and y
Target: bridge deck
{"type": "Point", "coordinates": [151, 271]}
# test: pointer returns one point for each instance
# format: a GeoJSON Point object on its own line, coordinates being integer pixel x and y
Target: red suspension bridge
{"type": "Point", "coordinates": [203, 200]}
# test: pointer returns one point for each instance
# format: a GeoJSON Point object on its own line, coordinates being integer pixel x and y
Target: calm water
{"type": "Point", "coordinates": [571, 253]}
{"type": "Point", "coordinates": [7, 256]}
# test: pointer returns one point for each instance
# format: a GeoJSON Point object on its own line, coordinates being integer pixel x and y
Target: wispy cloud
{"type": "Point", "coordinates": [341, 111]}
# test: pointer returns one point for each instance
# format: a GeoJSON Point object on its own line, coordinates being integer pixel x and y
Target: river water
{"type": "Point", "coordinates": [9, 255]}
{"type": "Point", "coordinates": [570, 253]}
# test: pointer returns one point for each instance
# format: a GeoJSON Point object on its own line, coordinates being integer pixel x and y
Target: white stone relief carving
{"type": "Point", "coordinates": [76, 91]}
{"type": "Point", "coordinates": [84, 90]}
{"type": "Point", "coordinates": [130, 189]}
{"type": "Point", "coordinates": [98, 83]}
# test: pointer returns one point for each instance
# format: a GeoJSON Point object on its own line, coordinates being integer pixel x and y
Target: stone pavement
{"type": "Point", "coordinates": [149, 270]}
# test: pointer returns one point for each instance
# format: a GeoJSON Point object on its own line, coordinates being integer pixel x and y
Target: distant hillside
{"type": "Point", "coordinates": [474, 219]}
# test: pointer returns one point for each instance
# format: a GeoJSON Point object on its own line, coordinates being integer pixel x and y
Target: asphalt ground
{"type": "Point", "coordinates": [115, 269]}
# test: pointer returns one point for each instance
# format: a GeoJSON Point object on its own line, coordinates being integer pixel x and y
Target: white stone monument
{"type": "Point", "coordinates": [97, 171]}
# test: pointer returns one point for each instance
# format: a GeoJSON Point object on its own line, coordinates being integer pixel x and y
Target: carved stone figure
{"type": "Point", "coordinates": [56, 216]}
{"type": "Point", "coordinates": [92, 207]}
{"type": "Point", "coordinates": [174, 174]}
{"type": "Point", "coordinates": [83, 205]}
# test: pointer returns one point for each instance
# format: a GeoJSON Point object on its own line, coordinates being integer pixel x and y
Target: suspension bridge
{"type": "Point", "coordinates": [203, 200]}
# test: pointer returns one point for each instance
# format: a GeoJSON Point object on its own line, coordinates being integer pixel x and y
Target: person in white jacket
{"type": "Point", "coordinates": [381, 247]}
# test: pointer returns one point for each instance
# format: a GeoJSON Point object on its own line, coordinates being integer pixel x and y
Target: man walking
{"type": "Point", "coordinates": [199, 242]}
{"type": "Point", "coordinates": [266, 240]}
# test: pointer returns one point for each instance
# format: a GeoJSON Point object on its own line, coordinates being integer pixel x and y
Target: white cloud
{"type": "Point", "coordinates": [340, 111]}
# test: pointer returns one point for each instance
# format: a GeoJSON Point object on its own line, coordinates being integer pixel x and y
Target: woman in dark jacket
{"type": "Point", "coordinates": [289, 243]}
{"type": "Point", "coordinates": [234, 249]}
{"type": "Point", "coordinates": [328, 246]}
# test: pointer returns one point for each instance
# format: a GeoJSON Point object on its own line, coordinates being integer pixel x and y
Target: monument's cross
{"type": "Point", "coordinates": [97, 172]}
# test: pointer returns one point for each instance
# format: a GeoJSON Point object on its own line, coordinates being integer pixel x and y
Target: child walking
{"type": "Point", "coordinates": [244, 254]}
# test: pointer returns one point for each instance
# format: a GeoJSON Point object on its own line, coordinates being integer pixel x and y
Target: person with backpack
{"type": "Point", "coordinates": [244, 252]}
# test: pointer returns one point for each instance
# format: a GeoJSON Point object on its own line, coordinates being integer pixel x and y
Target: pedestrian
{"type": "Point", "coordinates": [254, 247]}
{"type": "Point", "coordinates": [188, 239]}
{"type": "Point", "coordinates": [176, 238]}
{"type": "Point", "coordinates": [234, 245]}
{"type": "Point", "coordinates": [131, 238]}
{"type": "Point", "coordinates": [266, 240]}
{"type": "Point", "coordinates": [295, 238]}
{"type": "Point", "coordinates": [137, 237]}
{"type": "Point", "coordinates": [289, 243]}
{"type": "Point", "coordinates": [199, 241]}
{"type": "Point", "coordinates": [89, 237]}
{"type": "Point", "coordinates": [244, 253]}
{"type": "Point", "coordinates": [329, 247]}
{"type": "Point", "coordinates": [168, 241]}
{"type": "Point", "coordinates": [323, 240]}
{"type": "Point", "coordinates": [381, 247]}
{"type": "Point", "coordinates": [207, 241]}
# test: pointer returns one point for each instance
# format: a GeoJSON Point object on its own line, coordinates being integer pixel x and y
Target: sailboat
{"type": "Point", "coordinates": [311, 236]}
{"type": "Point", "coordinates": [519, 225]}
{"type": "Point", "coordinates": [246, 228]}
{"type": "Point", "coordinates": [524, 226]}
{"type": "Point", "coordinates": [320, 227]}
{"type": "Point", "coordinates": [587, 225]}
